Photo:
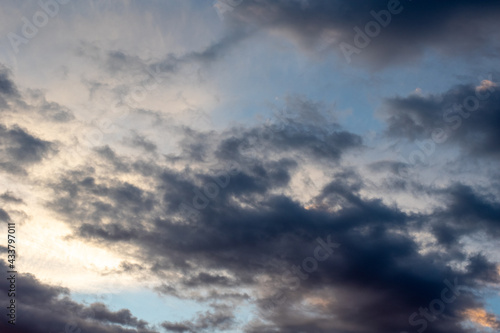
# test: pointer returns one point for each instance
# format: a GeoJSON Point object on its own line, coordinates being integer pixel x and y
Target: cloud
{"type": "Point", "coordinates": [252, 233]}
{"type": "Point", "coordinates": [51, 111]}
{"type": "Point", "coordinates": [4, 216]}
{"type": "Point", "coordinates": [7, 87]}
{"type": "Point", "coordinates": [466, 26]}
{"type": "Point", "coordinates": [483, 318]}
{"type": "Point", "coordinates": [19, 149]}
{"type": "Point", "coordinates": [142, 142]}
{"type": "Point", "coordinates": [227, 217]}
{"type": "Point", "coordinates": [467, 211]}
{"type": "Point", "coordinates": [208, 279]}
{"type": "Point", "coordinates": [30, 102]}
{"type": "Point", "coordinates": [49, 308]}
{"type": "Point", "coordinates": [131, 73]}
{"type": "Point", "coordinates": [466, 116]}
{"type": "Point", "coordinates": [10, 198]}
{"type": "Point", "coordinates": [219, 320]}
{"type": "Point", "coordinates": [302, 126]}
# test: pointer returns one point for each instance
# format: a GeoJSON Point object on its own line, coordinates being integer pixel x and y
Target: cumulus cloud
{"type": "Point", "coordinates": [50, 308]}
{"type": "Point", "coordinates": [32, 102]}
{"type": "Point", "coordinates": [413, 27]}
{"type": "Point", "coordinates": [299, 222]}
{"type": "Point", "coordinates": [19, 149]}
{"type": "Point", "coordinates": [251, 229]}
{"type": "Point", "coordinates": [221, 319]}
{"type": "Point", "coordinates": [8, 88]}
{"type": "Point", "coordinates": [466, 116]}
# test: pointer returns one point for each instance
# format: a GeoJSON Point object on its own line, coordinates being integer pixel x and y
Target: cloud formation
{"type": "Point", "coordinates": [49, 308]}
{"type": "Point", "coordinates": [465, 115]}
{"type": "Point", "coordinates": [303, 220]}
{"type": "Point", "coordinates": [405, 29]}
{"type": "Point", "coordinates": [251, 228]}
{"type": "Point", "coordinates": [19, 149]}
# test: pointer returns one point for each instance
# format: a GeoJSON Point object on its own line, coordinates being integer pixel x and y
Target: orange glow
{"type": "Point", "coordinates": [483, 318]}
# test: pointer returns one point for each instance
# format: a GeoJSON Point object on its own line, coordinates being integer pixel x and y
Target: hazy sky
{"type": "Point", "coordinates": [251, 165]}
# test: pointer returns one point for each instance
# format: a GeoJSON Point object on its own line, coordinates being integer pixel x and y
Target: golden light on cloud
{"type": "Point", "coordinates": [483, 318]}
{"type": "Point", "coordinates": [486, 85]}
{"type": "Point", "coordinates": [318, 302]}
{"type": "Point", "coordinates": [311, 206]}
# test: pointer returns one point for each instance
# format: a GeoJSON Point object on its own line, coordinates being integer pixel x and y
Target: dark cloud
{"type": "Point", "coordinates": [4, 216]}
{"type": "Point", "coordinates": [109, 155]}
{"type": "Point", "coordinates": [210, 321]}
{"type": "Point", "coordinates": [7, 86]}
{"type": "Point", "coordinates": [466, 25]}
{"type": "Point", "coordinates": [10, 197]}
{"type": "Point", "coordinates": [243, 229]}
{"type": "Point", "coordinates": [321, 145]}
{"type": "Point", "coordinates": [393, 167]}
{"type": "Point", "coordinates": [374, 281]}
{"type": "Point", "coordinates": [123, 317]}
{"type": "Point", "coordinates": [195, 145]}
{"type": "Point", "coordinates": [83, 196]}
{"type": "Point", "coordinates": [466, 212]}
{"type": "Point", "coordinates": [303, 126]}
{"type": "Point", "coordinates": [19, 149]}
{"type": "Point", "coordinates": [143, 143]}
{"type": "Point", "coordinates": [220, 221]}
{"type": "Point", "coordinates": [466, 115]}
{"type": "Point", "coordinates": [31, 101]}
{"type": "Point", "coordinates": [8, 89]}
{"type": "Point", "coordinates": [206, 279]}
{"type": "Point", "coordinates": [44, 308]}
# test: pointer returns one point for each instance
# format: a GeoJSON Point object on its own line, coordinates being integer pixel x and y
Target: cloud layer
{"type": "Point", "coordinates": [155, 172]}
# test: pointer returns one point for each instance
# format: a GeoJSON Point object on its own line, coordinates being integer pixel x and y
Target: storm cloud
{"type": "Point", "coordinates": [407, 28]}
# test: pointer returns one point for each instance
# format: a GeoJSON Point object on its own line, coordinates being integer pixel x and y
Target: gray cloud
{"type": "Point", "coordinates": [464, 115]}
{"type": "Point", "coordinates": [220, 320]}
{"type": "Point", "coordinates": [466, 26]}
{"type": "Point", "coordinates": [142, 142]}
{"type": "Point", "coordinates": [379, 275]}
{"type": "Point", "coordinates": [253, 234]}
{"type": "Point", "coordinates": [7, 87]}
{"type": "Point", "coordinates": [10, 198]}
{"type": "Point", "coordinates": [46, 308]}
{"type": "Point", "coordinates": [33, 102]}
{"type": "Point", "coordinates": [467, 211]}
{"type": "Point", "coordinates": [4, 216]}
{"type": "Point", "coordinates": [19, 149]}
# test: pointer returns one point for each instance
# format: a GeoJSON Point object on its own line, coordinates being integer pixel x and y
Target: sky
{"type": "Point", "coordinates": [279, 166]}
